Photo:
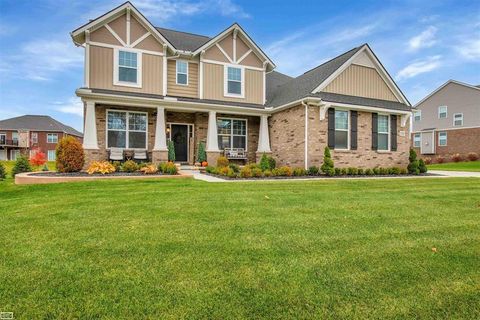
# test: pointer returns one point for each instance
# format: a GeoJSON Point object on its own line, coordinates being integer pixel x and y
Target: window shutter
{"type": "Point", "coordinates": [393, 132]}
{"type": "Point", "coordinates": [353, 130]}
{"type": "Point", "coordinates": [331, 128]}
{"type": "Point", "coordinates": [374, 131]}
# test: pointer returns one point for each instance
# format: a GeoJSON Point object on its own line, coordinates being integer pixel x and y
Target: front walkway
{"type": "Point", "coordinates": [458, 174]}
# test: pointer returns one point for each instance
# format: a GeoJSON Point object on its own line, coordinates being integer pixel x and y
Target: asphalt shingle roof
{"type": "Point", "coordinates": [37, 123]}
{"type": "Point", "coordinates": [183, 40]}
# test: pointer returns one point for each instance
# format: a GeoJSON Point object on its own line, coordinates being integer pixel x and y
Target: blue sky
{"type": "Point", "coordinates": [421, 43]}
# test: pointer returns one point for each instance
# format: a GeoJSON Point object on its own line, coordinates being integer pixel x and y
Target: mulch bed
{"type": "Point", "coordinates": [84, 174]}
{"type": "Point", "coordinates": [324, 176]}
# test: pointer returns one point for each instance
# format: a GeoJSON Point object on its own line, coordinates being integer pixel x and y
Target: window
{"type": "Point", "coordinates": [442, 138]}
{"type": "Point", "coordinates": [383, 132]}
{"type": "Point", "coordinates": [15, 137]}
{"type": "Point", "coordinates": [417, 115]}
{"type": "Point", "coordinates": [341, 129]}
{"type": "Point", "coordinates": [34, 137]}
{"type": "Point", "coordinates": [442, 112]}
{"type": "Point", "coordinates": [126, 130]}
{"type": "Point", "coordinates": [182, 72]}
{"type": "Point", "coordinates": [14, 154]}
{"type": "Point", "coordinates": [234, 85]}
{"type": "Point", "coordinates": [3, 138]}
{"type": "Point", "coordinates": [51, 155]}
{"type": "Point", "coordinates": [127, 69]}
{"type": "Point", "coordinates": [232, 133]}
{"type": "Point", "coordinates": [52, 138]}
{"type": "Point", "coordinates": [458, 119]}
{"type": "Point", "coordinates": [416, 140]}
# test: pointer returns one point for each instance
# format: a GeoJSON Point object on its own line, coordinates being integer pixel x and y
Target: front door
{"type": "Point", "coordinates": [427, 141]}
{"type": "Point", "coordinates": [180, 141]}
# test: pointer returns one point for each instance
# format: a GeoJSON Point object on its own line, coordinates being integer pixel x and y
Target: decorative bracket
{"type": "Point", "coordinates": [403, 120]}
{"type": "Point", "coordinates": [323, 111]}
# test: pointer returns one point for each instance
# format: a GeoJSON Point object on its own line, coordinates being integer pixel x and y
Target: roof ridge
{"type": "Point", "coordinates": [185, 32]}
{"type": "Point", "coordinates": [340, 55]}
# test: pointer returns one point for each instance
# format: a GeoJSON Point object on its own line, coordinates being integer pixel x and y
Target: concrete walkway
{"type": "Point", "coordinates": [458, 174]}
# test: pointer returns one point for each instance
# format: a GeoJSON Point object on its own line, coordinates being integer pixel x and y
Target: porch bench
{"type": "Point", "coordinates": [235, 154]}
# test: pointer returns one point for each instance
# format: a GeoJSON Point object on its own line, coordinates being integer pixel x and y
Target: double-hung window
{"type": "Point", "coordinates": [182, 72]}
{"type": "Point", "coordinates": [126, 129]}
{"type": "Point", "coordinates": [232, 133]}
{"type": "Point", "coordinates": [34, 137]}
{"type": "Point", "coordinates": [442, 112]}
{"type": "Point", "coordinates": [128, 68]}
{"type": "Point", "coordinates": [442, 138]}
{"type": "Point", "coordinates": [52, 138]}
{"type": "Point", "coordinates": [416, 140]}
{"type": "Point", "coordinates": [51, 156]}
{"type": "Point", "coordinates": [458, 119]}
{"type": "Point", "coordinates": [15, 137]}
{"type": "Point", "coordinates": [417, 115]}
{"type": "Point", "coordinates": [234, 81]}
{"type": "Point", "coordinates": [341, 129]}
{"type": "Point", "coordinates": [383, 129]}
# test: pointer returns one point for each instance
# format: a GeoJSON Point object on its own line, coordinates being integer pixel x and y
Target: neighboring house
{"type": "Point", "coordinates": [447, 121]}
{"type": "Point", "coordinates": [26, 134]}
{"type": "Point", "coordinates": [146, 85]}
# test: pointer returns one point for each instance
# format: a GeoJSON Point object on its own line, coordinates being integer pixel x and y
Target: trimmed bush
{"type": "Point", "coordinates": [117, 165]}
{"type": "Point", "coordinates": [338, 171]}
{"type": "Point", "coordinates": [285, 171]}
{"type": "Point", "coordinates": [352, 171]}
{"type": "Point", "coordinates": [3, 171]}
{"type": "Point", "coordinates": [299, 172]}
{"type": "Point", "coordinates": [246, 172]}
{"type": "Point", "coordinates": [267, 173]}
{"type": "Point", "coordinates": [168, 168]}
{"type": "Point", "coordinates": [395, 170]}
{"type": "Point", "coordinates": [413, 165]}
{"type": "Point", "coordinates": [211, 169]}
{"type": "Point", "coordinates": [427, 160]}
{"type": "Point", "coordinates": [313, 171]}
{"type": "Point", "coordinates": [343, 171]}
{"type": "Point", "coordinates": [369, 172]}
{"type": "Point", "coordinates": [376, 171]}
{"type": "Point", "coordinates": [201, 153]}
{"type": "Point", "coordinates": [103, 167]}
{"type": "Point", "coordinates": [222, 162]}
{"type": "Point", "coordinates": [403, 171]}
{"type": "Point", "coordinates": [327, 166]}
{"type": "Point", "coordinates": [264, 163]}
{"type": "Point", "coordinates": [69, 155]}
{"type": "Point", "coordinates": [257, 173]}
{"type": "Point", "coordinates": [234, 167]}
{"type": "Point", "coordinates": [421, 166]}
{"type": "Point", "coordinates": [361, 172]}
{"type": "Point", "coordinates": [472, 156]}
{"type": "Point", "coordinates": [129, 166]}
{"type": "Point", "coordinates": [457, 157]}
{"type": "Point", "coordinates": [171, 151]}
{"type": "Point", "coordinates": [254, 166]}
{"type": "Point", "coordinates": [21, 165]}
{"type": "Point", "coordinates": [383, 171]}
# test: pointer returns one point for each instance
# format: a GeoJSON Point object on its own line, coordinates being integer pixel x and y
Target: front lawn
{"type": "Point", "coordinates": [171, 249]}
{"type": "Point", "coordinates": [9, 165]}
{"type": "Point", "coordinates": [456, 166]}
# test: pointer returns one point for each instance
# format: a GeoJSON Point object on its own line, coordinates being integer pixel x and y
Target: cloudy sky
{"type": "Point", "coordinates": [421, 43]}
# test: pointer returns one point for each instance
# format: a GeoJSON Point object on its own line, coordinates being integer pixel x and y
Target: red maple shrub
{"type": "Point", "coordinates": [70, 155]}
{"type": "Point", "coordinates": [38, 158]}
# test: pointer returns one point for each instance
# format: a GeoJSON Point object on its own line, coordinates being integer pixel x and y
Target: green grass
{"type": "Point", "coordinates": [185, 249]}
{"type": "Point", "coordinates": [456, 166]}
{"type": "Point", "coordinates": [9, 165]}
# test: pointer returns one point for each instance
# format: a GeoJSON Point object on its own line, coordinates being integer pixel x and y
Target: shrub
{"type": "Point", "coordinates": [383, 171]}
{"type": "Point", "coordinates": [394, 170]}
{"type": "Point", "coordinates": [352, 171]}
{"type": "Point", "coordinates": [338, 171]}
{"type": "Point", "coordinates": [171, 151]}
{"type": "Point", "coordinates": [21, 165]}
{"type": "Point", "coordinates": [45, 167]}
{"type": "Point", "coordinates": [254, 166]}
{"type": "Point", "coordinates": [369, 172]}
{"type": "Point", "coordinates": [267, 173]}
{"type": "Point", "coordinates": [117, 165]}
{"type": "Point", "coordinates": [276, 172]}
{"type": "Point", "coordinates": [440, 159]}
{"type": "Point", "coordinates": [421, 166]}
{"type": "Point", "coordinates": [69, 155]}
{"type": "Point", "coordinates": [343, 171]}
{"type": "Point", "coordinates": [413, 165]}
{"type": "Point", "coordinates": [327, 166]}
{"type": "Point", "coordinates": [168, 168]}
{"type": "Point", "coordinates": [403, 171]}
{"type": "Point", "coordinates": [3, 171]}
{"type": "Point", "coordinates": [149, 169]}
{"type": "Point", "coordinates": [472, 156]}
{"type": "Point", "coordinates": [313, 171]}
{"type": "Point", "coordinates": [223, 171]}
{"type": "Point", "coordinates": [246, 172]}
{"type": "Point", "coordinates": [102, 167]}
{"type": "Point", "coordinates": [234, 167]}
{"type": "Point", "coordinates": [376, 171]}
{"type": "Point", "coordinates": [210, 169]}
{"type": "Point", "coordinates": [231, 173]}
{"type": "Point", "coordinates": [201, 153]}
{"type": "Point", "coordinates": [38, 158]}
{"type": "Point", "coordinates": [427, 160]}
{"type": "Point", "coordinates": [222, 162]}
{"type": "Point", "coordinates": [257, 172]}
{"type": "Point", "coordinates": [361, 172]}
{"type": "Point", "coordinates": [264, 164]}
{"type": "Point", "coordinates": [142, 165]}
{"type": "Point", "coordinates": [286, 171]}
{"type": "Point", "coordinates": [299, 172]}
{"type": "Point", "coordinates": [457, 157]}
{"type": "Point", "coordinates": [129, 166]}
{"type": "Point", "coordinates": [272, 163]}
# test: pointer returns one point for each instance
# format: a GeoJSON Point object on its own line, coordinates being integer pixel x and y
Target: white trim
{"type": "Point", "coordinates": [446, 112]}
{"type": "Point", "coordinates": [384, 74]}
{"type": "Point", "coordinates": [234, 45]}
{"type": "Point", "coordinates": [446, 138]}
{"type": "Point", "coordinates": [51, 158]}
{"type": "Point", "coordinates": [231, 131]}
{"type": "Point", "coordinates": [112, 46]}
{"type": "Point", "coordinates": [229, 64]}
{"type": "Point", "coordinates": [115, 35]}
{"type": "Point", "coordinates": [419, 112]}
{"type": "Point", "coordinates": [86, 67]}
{"type": "Point", "coordinates": [244, 56]}
{"type": "Point", "coordinates": [136, 42]}
{"type": "Point", "coordinates": [176, 72]}
{"type": "Point", "coordinates": [116, 66]}
{"type": "Point", "coordinates": [128, 26]}
{"type": "Point", "coordinates": [461, 119]}
{"type": "Point", "coordinates": [52, 135]}
{"type": "Point", "coordinates": [264, 87]}
{"type": "Point", "coordinates": [442, 86]}
{"type": "Point", "coordinates": [190, 130]}
{"type": "Point", "coordinates": [225, 81]}
{"type": "Point", "coordinates": [349, 128]}
{"type": "Point", "coordinates": [165, 70]}
{"type": "Point", "coordinates": [224, 53]}
{"type": "Point", "coordinates": [449, 129]}
{"type": "Point", "coordinates": [200, 76]}
{"type": "Point", "coordinates": [389, 132]}
{"type": "Point", "coordinates": [127, 130]}
{"type": "Point", "coordinates": [305, 160]}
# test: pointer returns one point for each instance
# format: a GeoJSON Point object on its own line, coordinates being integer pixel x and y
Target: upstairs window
{"type": "Point", "coordinates": [34, 137]}
{"type": "Point", "coordinates": [383, 129]}
{"type": "Point", "coordinates": [458, 119]}
{"type": "Point", "coordinates": [15, 137]}
{"type": "Point", "coordinates": [416, 140]}
{"type": "Point", "coordinates": [341, 129]}
{"type": "Point", "coordinates": [128, 68]}
{"type": "Point", "coordinates": [52, 138]}
{"type": "Point", "coordinates": [442, 112]}
{"type": "Point", "coordinates": [417, 115]}
{"type": "Point", "coordinates": [182, 72]}
{"type": "Point", "coordinates": [234, 81]}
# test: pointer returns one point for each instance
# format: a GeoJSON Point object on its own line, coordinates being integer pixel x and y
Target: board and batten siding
{"type": "Point", "coordinates": [101, 71]}
{"type": "Point", "coordinates": [174, 89]}
{"type": "Point", "coordinates": [214, 81]}
{"type": "Point", "coordinates": [361, 81]}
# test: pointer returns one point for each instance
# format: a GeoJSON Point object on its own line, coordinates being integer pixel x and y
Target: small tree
{"type": "Point", "coordinates": [327, 166]}
{"type": "Point", "coordinates": [3, 171]}
{"type": "Point", "coordinates": [264, 164]}
{"type": "Point", "coordinates": [70, 155]}
{"type": "Point", "coordinates": [421, 166]}
{"type": "Point", "coordinates": [171, 151]}
{"type": "Point", "coordinates": [38, 158]}
{"type": "Point", "coordinates": [21, 165]}
{"type": "Point", "coordinates": [201, 154]}
{"type": "Point", "coordinates": [413, 165]}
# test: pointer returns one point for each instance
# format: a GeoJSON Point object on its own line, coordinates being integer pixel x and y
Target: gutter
{"type": "Point", "coordinates": [306, 135]}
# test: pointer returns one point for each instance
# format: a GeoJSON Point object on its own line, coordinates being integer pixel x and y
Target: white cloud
{"type": "Point", "coordinates": [425, 39]}
{"type": "Point", "coordinates": [418, 67]}
{"type": "Point", "coordinates": [470, 49]}
{"type": "Point", "coordinates": [73, 106]}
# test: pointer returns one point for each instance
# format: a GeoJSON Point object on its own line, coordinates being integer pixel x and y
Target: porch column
{"type": "Point", "coordinates": [90, 127]}
{"type": "Point", "coordinates": [263, 138]}
{"type": "Point", "coordinates": [212, 140]}
{"type": "Point", "coordinates": [160, 150]}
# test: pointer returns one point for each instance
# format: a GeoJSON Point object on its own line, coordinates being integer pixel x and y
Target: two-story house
{"type": "Point", "coordinates": [447, 121]}
{"type": "Point", "coordinates": [146, 85]}
{"type": "Point", "coordinates": [25, 134]}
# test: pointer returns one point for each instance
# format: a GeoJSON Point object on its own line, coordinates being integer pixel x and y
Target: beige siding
{"type": "Point", "coordinates": [119, 25]}
{"type": "Point", "coordinates": [103, 35]}
{"type": "Point", "coordinates": [174, 89]}
{"type": "Point", "coordinates": [136, 30]}
{"type": "Point", "coordinates": [215, 54]}
{"type": "Point", "coordinates": [150, 44]}
{"type": "Point", "coordinates": [213, 84]}
{"type": "Point", "coordinates": [361, 81]}
{"type": "Point", "coordinates": [101, 71]}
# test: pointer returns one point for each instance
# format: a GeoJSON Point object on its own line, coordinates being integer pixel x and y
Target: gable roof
{"type": "Point", "coordinates": [184, 41]}
{"type": "Point", "coordinates": [274, 80]}
{"type": "Point", "coordinates": [443, 86]}
{"type": "Point", "coordinates": [37, 123]}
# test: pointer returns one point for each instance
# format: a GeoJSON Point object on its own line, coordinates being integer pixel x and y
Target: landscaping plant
{"type": "Point", "coordinates": [21, 165]}
{"type": "Point", "coordinates": [149, 169]}
{"type": "Point", "coordinates": [222, 162]}
{"type": "Point", "coordinates": [457, 157]}
{"type": "Point", "coordinates": [103, 167]}
{"type": "Point", "coordinates": [234, 167]}
{"type": "Point", "coordinates": [201, 153]}
{"type": "Point", "coordinates": [168, 168]}
{"type": "Point", "coordinates": [421, 166]}
{"type": "Point", "coordinates": [472, 156]}
{"type": "Point", "coordinates": [129, 166]}
{"type": "Point", "coordinates": [38, 159]}
{"type": "Point", "coordinates": [327, 166]}
{"type": "Point", "coordinates": [3, 171]}
{"type": "Point", "coordinates": [298, 172]}
{"type": "Point", "coordinates": [246, 172]}
{"type": "Point", "coordinates": [257, 173]}
{"type": "Point", "coordinates": [69, 155]}
{"type": "Point", "coordinates": [313, 171]}
{"type": "Point", "coordinates": [171, 151]}
{"type": "Point", "coordinates": [413, 165]}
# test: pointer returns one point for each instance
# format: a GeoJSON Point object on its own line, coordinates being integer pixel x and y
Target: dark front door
{"type": "Point", "coordinates": [180, 141]}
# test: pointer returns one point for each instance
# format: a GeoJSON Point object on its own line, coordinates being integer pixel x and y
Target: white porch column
{"type": "Point", "coordinates": [160, 134]}
{"type": "Point", "coordinates": [90, 127]}
{"type": "Point", "coordinates": [212, 140]}
{"type": "Point", "coordinates": [263, 136]}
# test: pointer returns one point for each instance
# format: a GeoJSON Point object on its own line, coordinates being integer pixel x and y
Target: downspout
{"type": "Point", "coordinates": [306, 134]}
